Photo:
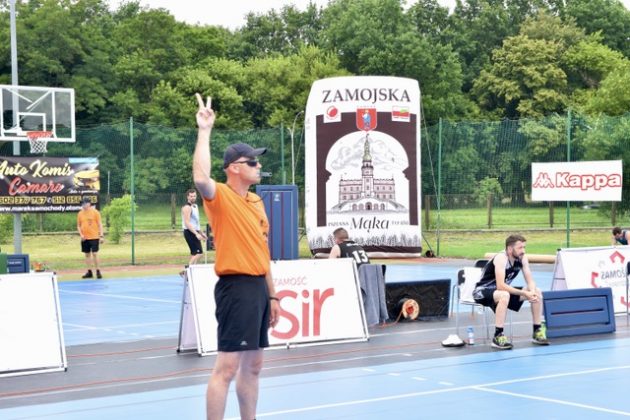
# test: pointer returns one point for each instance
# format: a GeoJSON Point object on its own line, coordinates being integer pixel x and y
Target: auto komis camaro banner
{"type": "Point", "coordinates": [43, 184]}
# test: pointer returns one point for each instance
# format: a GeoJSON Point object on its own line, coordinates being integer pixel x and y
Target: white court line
{"type": "Point", "coordinates": [428, 330]}
{"type": "Point", "coordinates": [325, 362]}
{"type": "Point", "coordinates": [122, 296]}
{"type": "Point", "coordinates": [553, 400]}
{"type": "Point", "coordinates": [432, 392]}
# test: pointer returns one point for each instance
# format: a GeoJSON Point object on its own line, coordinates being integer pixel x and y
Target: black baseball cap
{"type": "Point", "coordinates": [238, 150]}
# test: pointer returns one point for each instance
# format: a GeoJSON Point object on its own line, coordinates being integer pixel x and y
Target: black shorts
{"type": "Point", "coordinates": [242, 312]}
{"type": "Point", "coordinates": [89, 245]}
{"type": "Point", "coordinates": [193, 243]}
{"type": "Point", "coordinates": [514, 304]}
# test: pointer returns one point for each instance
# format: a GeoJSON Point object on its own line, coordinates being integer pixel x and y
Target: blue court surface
{"type": "Point", "coordinates": [402, 372]}
{"type": "Point", "coordinates": [132, 309]}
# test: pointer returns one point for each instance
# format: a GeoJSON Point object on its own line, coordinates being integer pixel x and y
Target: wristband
{"type": "Point", "coordinates": [274, 298]}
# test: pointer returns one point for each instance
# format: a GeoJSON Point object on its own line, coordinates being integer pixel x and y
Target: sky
{"type": "Point", "coordinates": [232, 13]}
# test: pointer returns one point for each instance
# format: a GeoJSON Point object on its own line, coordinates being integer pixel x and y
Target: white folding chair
{"type": "Point", "coordinates": [467, 279]}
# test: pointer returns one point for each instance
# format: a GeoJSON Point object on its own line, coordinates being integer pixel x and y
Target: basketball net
{"type": "Point", "coordinates": [38, 140]}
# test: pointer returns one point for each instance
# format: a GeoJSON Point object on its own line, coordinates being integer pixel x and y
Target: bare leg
{"type": "Point", "coordinates": [247, 382]}
{"type": "Point", "coordinates": [95, 257]}
{"type": "Point", "coordinates": [88, 260]}
{"type": "Point", "coordinates": [225, 368]}
{"type": "Point", "coordinates": [502, 298]}
{"type": "Point", "coordinates": [194, 259]}
{"type": "Point", "coordinates": [537, 308]}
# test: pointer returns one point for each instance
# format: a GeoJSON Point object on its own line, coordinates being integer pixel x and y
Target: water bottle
{"type": "Point", "coordinates": [471, 335]}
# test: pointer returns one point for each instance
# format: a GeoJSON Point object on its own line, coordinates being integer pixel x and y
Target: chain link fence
{"type": "Point", "coordinates": [475, 175]}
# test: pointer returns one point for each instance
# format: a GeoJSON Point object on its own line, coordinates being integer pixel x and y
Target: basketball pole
{"type": "Point", "coordinates": [17, 217]}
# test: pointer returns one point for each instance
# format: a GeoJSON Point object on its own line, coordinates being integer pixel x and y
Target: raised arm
{"type": "Point", "coordinates": [201, 158]}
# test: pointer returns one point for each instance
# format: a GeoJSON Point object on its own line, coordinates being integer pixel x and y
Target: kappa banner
{"type": "Point", "coordinates": [583, 268]}
{"type": "Point", "coordinates": [363, 163]}
{"type": "Point", "coordinates": [577, 181]}
{"type": "Point", "coordinates": [43, 184]}
{"type": "Point", "coordinates": [320, 301]}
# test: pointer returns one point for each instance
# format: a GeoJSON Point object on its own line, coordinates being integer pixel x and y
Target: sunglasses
{"type": "Point", "coordinates": [253, 162]}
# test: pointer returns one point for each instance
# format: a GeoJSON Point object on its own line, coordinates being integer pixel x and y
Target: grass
{"type": "Point", "coordinates": [463, 234]}
{"type": "Point", "coordinates": [474, 244]}
{"type": "Point", "coordinates": [62, 252]}
{"type": "Point", "coordinates": [524, 218]}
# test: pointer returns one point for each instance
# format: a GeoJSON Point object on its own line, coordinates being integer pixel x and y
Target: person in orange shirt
{"type": "Point", "coordinates": [246, 305]}
{"type": "Point", "coordinates": [91, 231]}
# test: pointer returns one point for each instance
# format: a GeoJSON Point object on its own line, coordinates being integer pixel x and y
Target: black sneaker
{"type": "Point", "coordinates": [501, 342]}
{"type": "Point", "coordinates": [87, 275]}
{"type": "Point", "coordinates": [98, 274]}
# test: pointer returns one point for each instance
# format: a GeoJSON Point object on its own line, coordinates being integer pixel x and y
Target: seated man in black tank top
{"type": "Point", "coordinates": [346, 248]}
{"type": "Point", "coordinates": [619, 236]}
{"type": "Point", "coordinates": [494, 290]}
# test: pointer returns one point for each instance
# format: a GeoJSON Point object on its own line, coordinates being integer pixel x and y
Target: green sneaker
{"type": "Point", "coordinates": [501, 342]}
{"type": "Point", "coordinates": [540, 338]}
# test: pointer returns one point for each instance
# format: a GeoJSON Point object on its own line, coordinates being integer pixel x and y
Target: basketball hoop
{"type": "Point", "coordinates": [38, 140]}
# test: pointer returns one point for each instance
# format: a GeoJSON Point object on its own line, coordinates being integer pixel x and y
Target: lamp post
{"type": "Point", "coordinates": [17, 217]}
{"type": "Point", "coordinates": [293, 148]}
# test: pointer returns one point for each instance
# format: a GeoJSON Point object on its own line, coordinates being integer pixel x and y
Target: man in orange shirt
{"type": "Point", "coordinates": [91, 231]}
{"type": "Point", "coordinates": [246, 305]}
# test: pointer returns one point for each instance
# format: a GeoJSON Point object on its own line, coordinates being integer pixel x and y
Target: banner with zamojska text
{"type": "Point", "coordinates": [47, 185]}
{"type": "Point", "coordinates": [362, 156]}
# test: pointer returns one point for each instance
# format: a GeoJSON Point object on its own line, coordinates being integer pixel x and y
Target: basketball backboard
{"type": "Point", "coordinates": [27, 109]}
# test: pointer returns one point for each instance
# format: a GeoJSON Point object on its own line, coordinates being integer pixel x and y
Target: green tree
{"type": "Point", "coordinates": [477, 27]}
{"type": "Point", "coordinates": [607, 139]}
{"type": "Point", "coordinates": [436, 67]}
{"type": "Point", "coordinates": [119, 214]}
{"type": "Point", "coordinates": [488, 187]}
{"type": "Point", "coordinates": [63, 43]}
{"type": "Point", "coordinates": [282, 32]}
{"type": "Point", "coordinates": [276, 88]}
{"type": "Point", "coordinates": [606, 17]}
{"type": "Point", "coordinates": [524, 79]}
{"type": "Point", "coordinates": [354, 29]}
{"type": "Point", "coordinates": [613, 95]}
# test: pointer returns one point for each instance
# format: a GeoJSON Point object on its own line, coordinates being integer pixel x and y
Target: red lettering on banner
{"type": "Point", "coordinates": [303, 320]}
{"type": "Point", "coordinates": [593, 277]}
{"type": "Point", "coordinates": [295, 323]}
{"type": "Point", "coordinates": [16, 187]}
{"type": "Point", "coordinates": [318, 303]}
{"type": "Point", "coordinates": [616, 255]}
{"type": "Point", "coordinates": [587, 181]}
{"type": "Point", "coordinates": [306, 320]}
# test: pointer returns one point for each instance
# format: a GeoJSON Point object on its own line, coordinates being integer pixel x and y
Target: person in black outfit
{"type": "Point", "coordinates": [494, 290]}
{"type": "Point", "coordinates": [620, 237]}
{"type": "Point", "coordinates": [346, 248]}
